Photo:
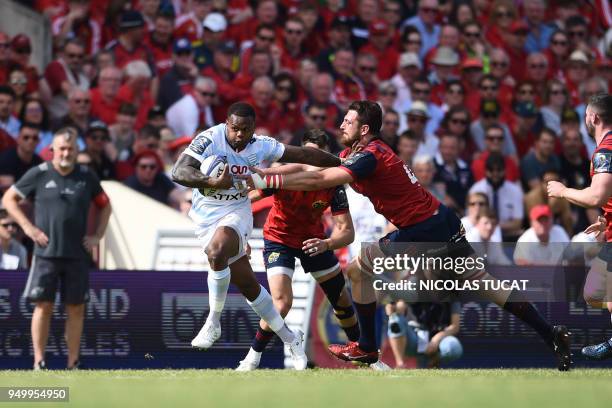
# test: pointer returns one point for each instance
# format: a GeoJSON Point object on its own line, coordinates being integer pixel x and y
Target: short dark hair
{"type": "Point", "coordinates": [409, 134]}
{"type": "Point", "coordinates": [30, 125]}
{"type": "Point", "coordinates": [241, 109]}
{"type": "Point", "coordinates": [495, 161]}
{"type": "Point", "coordinates": [546, 131]}
{"type": "Point", "coordinates": [368, 113]}
{"type": "Point", "coordinates": [486, 212]}
{"type": "Point", "coordinates": [601, 103]}
{"type": "Point", "coordinates": [7, 90]}
{"type": "Point", "coordinates": [316, 136]}
{"type": "Point", "coordinates": [3, 214]}
{"type": "Point", "coordinates": [265, 26]}
{"type": "Point", "coordinates": [128, 109]}
{"type": "Point", "coordinates": [148, 131]}
{"type": "Point", "coordinates": [496, 126]}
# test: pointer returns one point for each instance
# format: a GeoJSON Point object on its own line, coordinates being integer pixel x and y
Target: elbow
{"type": "Point", "coordinates": [599, 201]}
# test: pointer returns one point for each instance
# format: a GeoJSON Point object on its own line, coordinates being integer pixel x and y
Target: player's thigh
{"type": "Point", "coordinates": [75, 281]}
{"type": "Point", "coordinates": [227, 237]}
{"type": "Point", "coordinates": [321, 267]}
{"type": "Point", "coordinates": [278, 259]}
{"type": "Point", "coordinates": [43, 280]}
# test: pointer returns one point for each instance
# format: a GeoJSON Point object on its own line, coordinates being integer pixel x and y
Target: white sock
{"type": "Point", "coordinates": [253, 355]}
{"type": "Point", "coordinates": [264, 307]}
{"type": "Point", "coordinates": [218, 285]}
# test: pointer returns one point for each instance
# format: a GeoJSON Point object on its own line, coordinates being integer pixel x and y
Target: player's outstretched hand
{"type": "Point", "coordinates": [555, 189]}
{"type": "Point", "coordinates": [37, 236]}
{"type": "Point", "coordinates": [597, 227]}
{"type": "Point", "coordinates": [315, 246]}
{"type": "Point", "coordinates": [223, 182]}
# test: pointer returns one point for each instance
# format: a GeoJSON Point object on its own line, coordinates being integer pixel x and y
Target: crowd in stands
{"type": "Point", "coordinates": [484, 99]}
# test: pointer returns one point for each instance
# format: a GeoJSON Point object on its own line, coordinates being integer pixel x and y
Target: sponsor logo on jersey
{"type": "Point", "coordinates": [229, 197]}
{"type": "Point", "coordinates": [319, 204]}
{"type": "Point", "coordinates": [602, 162]}
{"type": "Point", "coordinates": [273, 257]}
{"type": "Point", "coordinates": [51, 184]}
{"type": "Point", "coordinates": [238, 169]}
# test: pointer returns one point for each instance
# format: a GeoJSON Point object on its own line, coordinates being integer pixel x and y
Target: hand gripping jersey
{"type": "Point", "coordinates": [390, 185]}
{"type": "Point", "coordinates": [296, 215]}
{"type": "Point", "coordinates": [208, 209]}
{"type": "Point", "coordinates": [601, 162]}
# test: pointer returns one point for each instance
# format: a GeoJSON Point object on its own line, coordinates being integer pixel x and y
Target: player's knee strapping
{"type": "Point", "coordinates": [333, 289]}
{"type": "Point", "coordinates": [345, 314]}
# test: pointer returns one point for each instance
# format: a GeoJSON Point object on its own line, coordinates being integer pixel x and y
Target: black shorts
{"type": "Point", "coordinates": [280, 259]}
{"type": "Point", "coordinates": [72, 276]}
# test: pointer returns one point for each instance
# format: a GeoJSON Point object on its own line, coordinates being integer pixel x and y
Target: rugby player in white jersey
{"type": "Point", "coordinates": [224, 220]}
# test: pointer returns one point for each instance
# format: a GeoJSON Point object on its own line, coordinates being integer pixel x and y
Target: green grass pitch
{"type": "Point", "coordinates": [323, 388]}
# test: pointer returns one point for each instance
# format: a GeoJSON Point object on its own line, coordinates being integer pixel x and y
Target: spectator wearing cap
{"type": "Point", "coordinates": [214, 29]}
{"type": "Point", "coordinates": [13, 255]}
{"type": "Point", "coordinates": [96, 139]}
{"type": "Point", "coordinates": [539, 32]}
{"type": "Point", "coordinates": [78, 116]}
{"type": "Point", "coordinates": [514, 45]}
{"type": "Point", "coordinates": [525, 123]}
{"type": "Point", "coordinates": [135, 90]}
{"type": "Point", "coordinates": [560, 208]}
{"type": "Point", "coordinates": [150, 180]}
{"type": "Point", "coordinates": [425, 22]}
{"type": "Point", "coordinates": [178, 81]}
{"type": "Point", "coordinates": [189, 24]}
{"type": "Point", "coordinates": [489, 114]}
{"type": "Point", "coordinates": [505, 197]}
{"type": "Point", "coordinates": [194, 110]}
{"type": "Point", "coordinates": [576, 72]}
{"type": "Point", "coordinates": [264, 40]}
{"type": "Point", "coordinates": [544, 242]}
{"type": "Point", "coordinates": [380, 36]}
{"type": "Point", "coordinates": [494, 141]}
{"type": "Point", "coordinates": [449, 37]}
{"type": "Point", "coordinates": [420, 90]}
{"type": "Point", "coordinates": [408, 70]}
{"type": "Point", "coordinates": [261, 65]}
{"type": "Point", "coordinates": [472, 74]}
{"type": "Point", "coordinates": [542, 158]}
{"type": "Point", "coordinates": [555, 100]}
{"type": "Point", "coordinates": [160, 40]}
{"type": "Point", "coordinates": [365, 71]}
{"type": "Point", "coordinates": [65, 73]}
{"type": "Point", "coordinates": [122, 133]}
{"type": "Point", "coordinates": [452, 172]}
{"type": "Point", "coordinates": [536, 71]}
{"type": "Point", "coordinates": [129, 46]}
{"type": "Point", "coordinates": [104, 99]}
{"type": "Point", "coordinates": [346, 87]}
{"type": "Point", "coordinates": [292, 44]}
{"type": "Point", "coordinates": [445, 63]}
{"type": "Point", "coordinates": [21, 50]}
{"type": "Point", "coordinates": [417, 118]}
{"type": "Point", "coordinates": [570, 120]}
{"type": "Point", "coordinates": [223, 73]}
{"type": "Point", "coordinates": [501, 16]}
{"type": "Point", "coordinates": [76, 22]}
{"type": "Point", "coordinates": [454, 95]}
{"type": "Point", "coordinates": [16, 161]}
{"type": "Point", "coordinates": [267, 115]}
{"type": "Point", "coordinates": [8, 121]}
{"type": "Point", "coordinates": [338, 36]}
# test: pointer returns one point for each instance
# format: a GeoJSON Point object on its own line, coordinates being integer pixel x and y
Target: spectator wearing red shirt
{"type": "Point", "coordinates": [104, 100]}
{"type": "Point", "coordinates": [136, 90]}
{"type": "Point", "coordinates": [150, 10]}
{"type": "Point", "coordinates": [260, 65]}
{"type": "Point", "coordinates": [262, 94]}
{"type": "Point", "coordinates": [77, 23]}
{"type": "Point", "coordinates": [381, 46]}
{"type": "Point", "coordinates": [189, 25]}
{"type": "Point", "coordinates": [292, 45]}
{"type": "Point", "coordinates": [66, 73]}
{"type": "Point", "coordinates": [537, 72]}
{"type": "Point", "coordinates": [494, 141]}
{"type": "Point", "coordinates": [264, 40]}
{"type": "Point", "coordinates": [365, 71]}
{"type": "Point", "coordinates": [514, 45]}
{"type": "Point", "coordinates": [130, 44]}
{"type": "Point", "coordinates": [314, 27]}
{"type": "Point", "coordinates": [471, 74]}
{"type": "Point", "coordinates": [346, 87]}
{"type": "Point", "coordinates": [160, 40]}
{"type": "Point", "coordinates": [266, 12]}
{"type": "Point", "coordinates": [21, 49]}
{"type": "Point", "coordinates": [501, 18]}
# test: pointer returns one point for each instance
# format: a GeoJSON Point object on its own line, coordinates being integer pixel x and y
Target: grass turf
{"type": "Point", "coordinates": [324, 388]}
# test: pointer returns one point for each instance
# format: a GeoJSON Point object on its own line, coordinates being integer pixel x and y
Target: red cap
{"type": "Point", "coordinates": [378, 26]}
{"type": "Point", "coordinates": [541, 210]}
{"type": "Point", "coordinates": [21, 42]}
{"type": "Point", "coordinates": [176, 143]}
{"type": "Point", "coordinates": [518, 25]}
{"type": "Point", "coordinates": [148, 153]}
{"type": "Point", "coordinates": [471, 63]}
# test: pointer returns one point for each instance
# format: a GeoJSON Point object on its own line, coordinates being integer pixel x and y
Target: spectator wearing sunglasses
{"type": "Point", "coordinates": [425, 22]}
{"type": "Point", "coordinates": [13, 255]}
{"type": "Point", "coordinates": [494, 142]}
{"type": "Point", "coordinates": [150, 180]}
{"type": "Point", "coordinates": [475, 203]}
{"type": "Point", "coordinates": [96, 139]}
{"type": "Point", "coordinates": [489, 115]}
{"type": "Point", "coordinates": [16, 161]}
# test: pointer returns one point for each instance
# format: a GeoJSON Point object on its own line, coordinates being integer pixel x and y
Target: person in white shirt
{"type": "Point", "coordinates": [474, 204]}
{"type": "Point", "coordinates": [194, 109]}
{"type": "Point", "coordinates": [482, 236]}
{"type": "Point", "coordinates": [543, 243]}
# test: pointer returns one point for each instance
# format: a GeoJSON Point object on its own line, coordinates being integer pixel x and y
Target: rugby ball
{"type": "Point", "coordinates": [212, 166]}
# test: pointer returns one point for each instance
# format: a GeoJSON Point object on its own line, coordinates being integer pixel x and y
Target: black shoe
{"type": "Point", "coordinates": [561, 346]}
{"type": "Point", "coordinates": [600, 351]}
{"type": "Point", "coordinates": [40, 366]}
{"type": "Point", "coordinates": [75, 366]}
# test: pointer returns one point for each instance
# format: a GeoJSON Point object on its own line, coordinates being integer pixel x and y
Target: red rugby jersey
{"type": "Point", "coordinates": [601, 162]}
{"type": "Point", "coordinates": [389, 184]}
{"type": "Point", "coordinates": [296, 215]}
